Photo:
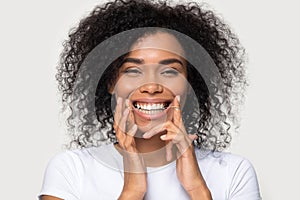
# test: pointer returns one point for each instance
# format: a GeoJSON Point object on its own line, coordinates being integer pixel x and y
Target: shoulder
{"type": "Point", "coordinates": [81, 160]}
{"type": "Point", "coordinates": [66, 172]}
{"type": "Point", "coordinates": [69, 165]}
{"type": "Point", "coordinates": [71, 155]}
{"type": "Point", "coordinates": [78, 158]}
{"type": "Point", "coordinates": [68, 158]}
{"type": "Point", "coordinates": [236, 173]}
{"type": "Point", "coordinates": [226, 164]}
{"type": "Point", "coordinates": [63, 174]}
{"type": "Point", "coordinates": [223, 159]}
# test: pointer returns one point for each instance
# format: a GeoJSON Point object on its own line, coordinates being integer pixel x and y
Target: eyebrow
{"type": "Point", "coordinates": [141, 61]}
{"type": "Point", "coordinates": [170, 61]}
{"type": "Point", "coordinates": [133, 60]}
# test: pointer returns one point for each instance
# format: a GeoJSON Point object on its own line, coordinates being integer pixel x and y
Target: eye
{"type": "Point", "coordinates": [170, 72]}
{"type": "Point", "coordinates": [132, 71]}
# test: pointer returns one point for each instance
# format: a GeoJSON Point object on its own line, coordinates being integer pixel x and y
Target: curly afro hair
{"type": "Point", "coordinates": [217, 114]}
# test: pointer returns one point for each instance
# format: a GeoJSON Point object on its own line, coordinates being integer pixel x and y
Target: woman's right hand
{"type": "Point", "coordinates": [135, 179]}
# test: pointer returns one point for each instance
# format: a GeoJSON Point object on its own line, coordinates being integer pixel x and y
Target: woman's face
{"type": "Point", "coordinates": [152, 74]}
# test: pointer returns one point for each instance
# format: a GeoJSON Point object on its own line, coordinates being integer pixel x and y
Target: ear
{"type": "Point", "coordinates": [110, 89]}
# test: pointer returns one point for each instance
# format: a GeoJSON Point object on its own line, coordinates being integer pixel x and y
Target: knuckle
{"type": "Point", "coordinates": [127, 143]}
{"type": "Point", "coordinates": [115, 126]}
{"type": "Point", "coordinates": [168, 124]}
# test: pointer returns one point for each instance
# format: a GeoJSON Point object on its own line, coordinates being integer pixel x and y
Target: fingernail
{"type": "Point", "coordinates": [145, 135]}
{"type": "Point", "coordinates": [169, 157]}
{"type": "Point", "coordinates": [119, 100]}
{"type": "Point", "coordinates": [178, 98]}
{"type": "Point", "coordinates": [163, 137]}
{"type": "Point", "coordinates": [134, 128]}
{"type": "Point", "coordinates": [127, 102]}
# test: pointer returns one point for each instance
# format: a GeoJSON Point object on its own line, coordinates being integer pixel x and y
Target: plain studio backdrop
{"type": "Point", "coordinates": [32, 132]}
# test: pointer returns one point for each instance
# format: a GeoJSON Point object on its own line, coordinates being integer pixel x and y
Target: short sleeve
{"type": "Point", "coordinates": [62, 177]}
{"type": "Point", "coordinates": [244, 184]}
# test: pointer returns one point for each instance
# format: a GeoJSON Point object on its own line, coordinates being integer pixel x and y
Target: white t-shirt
{"type": "Point", "coordinates": [96, 173]}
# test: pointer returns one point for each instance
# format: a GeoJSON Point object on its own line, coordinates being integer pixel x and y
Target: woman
{"type": "Point", "coordinates": [151, 90]}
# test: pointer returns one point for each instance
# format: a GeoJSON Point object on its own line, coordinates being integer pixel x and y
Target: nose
{"type": "Point", "coordinates": [151, 88]}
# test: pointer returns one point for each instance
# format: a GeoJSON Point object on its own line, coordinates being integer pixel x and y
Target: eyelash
{"type": "Point", "coordinates": [171, 71]}
{"type": "Point", "coordinates": [131, 71]}
{"type": "Point", "coordinates": [168, 72]}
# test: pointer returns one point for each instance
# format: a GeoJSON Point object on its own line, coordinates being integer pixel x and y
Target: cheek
{"type": "Point", "coordinates": [178, 87]}
{"type": "Point", "coordinates": [124, 88]}
{"type": "Point", "coordinates": [183, 92]}
{"type": "Point", "coordinates": [181, 87]}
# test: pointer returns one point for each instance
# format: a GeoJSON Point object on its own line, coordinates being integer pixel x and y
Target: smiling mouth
{"type": "Point", "coordinates": [151, 108]}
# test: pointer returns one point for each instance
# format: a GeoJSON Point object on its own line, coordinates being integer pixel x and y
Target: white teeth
{"type": "Point", "coordinates": [150, 112]}
{"type": "Point", "coordinates": [150, 108]}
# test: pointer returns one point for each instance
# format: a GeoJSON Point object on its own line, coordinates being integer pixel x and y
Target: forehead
{"type": "Point", "coordinates": [159, 41]}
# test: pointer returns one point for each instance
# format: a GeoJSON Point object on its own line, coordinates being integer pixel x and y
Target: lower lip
{"type": "Point", "coordinates": [151, 116]}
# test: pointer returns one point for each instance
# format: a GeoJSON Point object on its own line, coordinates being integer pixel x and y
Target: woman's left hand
{"type": "Point", "coordinates": [187, 168]}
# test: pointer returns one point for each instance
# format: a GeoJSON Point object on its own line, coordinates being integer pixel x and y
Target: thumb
{"type": "Point", "coordinates": [193, 136]}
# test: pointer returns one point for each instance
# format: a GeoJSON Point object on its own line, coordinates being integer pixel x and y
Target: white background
{"type": "Point", "coordinates": [32, 32]}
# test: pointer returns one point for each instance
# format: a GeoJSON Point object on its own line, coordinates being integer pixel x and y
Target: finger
{"type": "Point", "coordinates": [117, 117]}
{"type": "Point", "coordinates": [130, 121]}
{"type": "Point", "coordinates": [122, 124]}
{"type": "Point", "coordinates": [118, 110]}
{"type": "Point", "coordinates": [177, 118]}
{"type": "Point", "coordinates": [169, 151]}
{"type": "Point", "coordinates": [127, 104]}
{"type": "Point", "coordinates": [154, 131]}
{"type": "Point", "coordinates": [193, 136]}
{"type": "Point", "coordinates": [132, 131]}
{"type": "Point", "coordinates": [167, 126]}
{"type": "Point", "coordinates": [177, 137]}
{"type": "Point", "coordinates": [172, 136]}
{"type": "Point", "coordinates": [120, 127]}
{"type": "Point", "coordinates": [129, 143]}
{"type": "Point", "coordinates": [181, 142]}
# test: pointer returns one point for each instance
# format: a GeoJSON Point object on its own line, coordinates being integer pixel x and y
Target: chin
{"type": "Point", "coordinates": [145, 126]}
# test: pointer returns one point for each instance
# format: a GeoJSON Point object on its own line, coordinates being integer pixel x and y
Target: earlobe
{"type": "Point", "coordinates": [110, 89]}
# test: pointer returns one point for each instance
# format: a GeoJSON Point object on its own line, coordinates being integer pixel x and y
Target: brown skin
{"type": "Point", "coordinates": [135, 184]}
{"type": "Point", "coordinates": [171, 132]}
{"type": "Point", "coordinates": [149, 81]}
{"type": "Point", "coordinates": [154, 70]}
{"type": "Point", "coordinates": [147, 76]}
{"type": "Point", "coordinates": [46, 197]}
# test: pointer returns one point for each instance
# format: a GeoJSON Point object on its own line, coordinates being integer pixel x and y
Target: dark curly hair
{"type": "Point", "coordinates": [217, 114]}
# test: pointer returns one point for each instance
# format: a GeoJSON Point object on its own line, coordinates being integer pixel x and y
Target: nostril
{"type": "Point", "coordinates": [151, 88]}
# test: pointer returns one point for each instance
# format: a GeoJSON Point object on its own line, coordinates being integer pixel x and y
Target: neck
{"type": "Point", "coordinates": [153, 151]}
{"type": "Point", "coordinates": [149, 145]}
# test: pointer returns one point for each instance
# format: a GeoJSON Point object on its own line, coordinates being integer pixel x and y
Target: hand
{"type": "Point", "coordinates": [187, 168]}
{"type": "Point", "coordinates": [135, 183]}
